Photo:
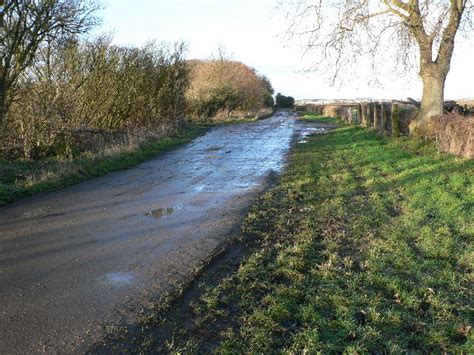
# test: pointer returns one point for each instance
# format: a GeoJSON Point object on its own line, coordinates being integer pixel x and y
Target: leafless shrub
{"type": "Point", "coordinates": [455, 134]}
{"type": "Point", "coordinates": [94, 86]}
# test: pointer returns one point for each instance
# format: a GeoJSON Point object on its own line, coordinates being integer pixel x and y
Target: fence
{"type": "Point", "coordinates": [392, 118]}
{"type": "Point", "coordinates": [453, 133]}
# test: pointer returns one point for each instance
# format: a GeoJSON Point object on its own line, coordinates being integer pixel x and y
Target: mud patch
{"type": "Point", "coordinates": [160, 213]}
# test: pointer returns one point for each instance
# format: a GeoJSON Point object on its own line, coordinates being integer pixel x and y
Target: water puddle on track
{"type": "Point", "coordinates": [160, 213]}
{"type": "Point", "coordinates": [214, 148]}
{"type": "Point", "coordinates": [119, 279]}
{"type": "Point", "coordinates": [310, 131]}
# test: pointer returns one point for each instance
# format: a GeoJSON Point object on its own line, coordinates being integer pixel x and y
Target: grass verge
{"type": "Point", "coordinates": [19, 179]}
{"type": "Point", "coordinates": [365, 245]}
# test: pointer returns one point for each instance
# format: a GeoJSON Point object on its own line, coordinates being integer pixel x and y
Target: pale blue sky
{"type": "Point", "coordinates": [249, 30]}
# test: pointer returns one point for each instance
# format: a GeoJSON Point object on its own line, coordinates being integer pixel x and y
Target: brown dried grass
{"type": "Point", "coordinates": [335, 111]}
{"type": "Point", "coordinates": [455, 134]}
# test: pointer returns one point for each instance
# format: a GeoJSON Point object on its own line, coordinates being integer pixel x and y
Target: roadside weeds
{"type": "Point", "coordinates": [19, 179]}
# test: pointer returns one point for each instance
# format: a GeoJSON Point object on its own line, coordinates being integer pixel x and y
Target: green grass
{"type": "Point", "coordinates": [311, 117]}
{"type": "Point", "coordinates": [365, 245]}
{"type": "Point", "coordinates": [19, 179]}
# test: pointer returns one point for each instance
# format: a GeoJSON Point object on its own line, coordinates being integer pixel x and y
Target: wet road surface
{"type": "Point", "coordinates": [71, 260]}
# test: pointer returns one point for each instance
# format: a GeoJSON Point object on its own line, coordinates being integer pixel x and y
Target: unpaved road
{"type": "Point", "coordinates": [82, 257]}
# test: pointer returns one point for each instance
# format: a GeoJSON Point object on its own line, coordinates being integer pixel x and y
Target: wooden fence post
{"type": "Point", "coordinates": [367, 115]}
{"type": "Point", "coordinates": [359, 114]}
{"type": "Point", "coordinates": [362, 115]}
{"type": "Point", "coordinates": [375, 123]}
{"type": "Point", "coordinates": [384, 118]}
{"type": "Point", "coordinates": [370, 121]}
{"type": "Point", "coordinates": [394, 120]}
{"type": "Point", "coordinates": [380, 117]}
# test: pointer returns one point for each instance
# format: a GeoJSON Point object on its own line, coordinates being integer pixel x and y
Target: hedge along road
{"type": "Point", "coordinates": [94, 254]}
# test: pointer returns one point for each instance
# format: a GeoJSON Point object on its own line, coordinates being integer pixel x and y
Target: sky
{"type": "Point", "coordinates": [251, 31]}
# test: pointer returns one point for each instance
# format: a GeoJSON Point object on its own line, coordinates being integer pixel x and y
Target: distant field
{"type": "Point", "coordinates": [468, 102]}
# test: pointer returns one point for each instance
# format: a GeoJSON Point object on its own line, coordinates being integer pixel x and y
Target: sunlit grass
{"type": "Point", "coordinates": [310, 117]}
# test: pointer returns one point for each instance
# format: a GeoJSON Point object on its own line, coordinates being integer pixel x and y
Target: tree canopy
{"type": "Point", "coordinates": [284, 101]}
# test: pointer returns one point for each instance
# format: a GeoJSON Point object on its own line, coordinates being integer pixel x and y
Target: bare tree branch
{"type": "Point", "coordinates": [344, 33]}
{"type": "Point", "coordinates": [26, 25]}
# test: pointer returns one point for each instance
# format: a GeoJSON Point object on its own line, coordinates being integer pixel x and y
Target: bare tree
{"type": "Point", "coordinates": [26, 25]}
{"type": "Point", "coordinates": [341, 30]}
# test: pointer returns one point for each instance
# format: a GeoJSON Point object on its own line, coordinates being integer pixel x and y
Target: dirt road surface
{"type": "Point", "coordinates": [80, 258]}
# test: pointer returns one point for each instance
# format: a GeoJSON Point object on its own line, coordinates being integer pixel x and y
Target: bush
{"type": "Point", "coordinates": [283, 101]}
{"type": "Point", "coordinates": [94, 86]}
{"type": "Point", "coordinates": [225, 87]}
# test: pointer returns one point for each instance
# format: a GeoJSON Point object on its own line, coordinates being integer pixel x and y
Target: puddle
{"type": "Point", "coordinates": [309, 132]}
{"type": "Point", "coordinates": [119, 278]}
{"type": "Point", "coordinates": [214, 148]}
{"type": "Point", "coordinates": [244, 185]}
{"type": "Point", "coordinates": [160, 212]}
{"type": "Point", "coordinates": [200, 187]}
{"type": "Point", "coordinates": [34, 213]}
{"type": "Point", "coordinates": [312, 130]}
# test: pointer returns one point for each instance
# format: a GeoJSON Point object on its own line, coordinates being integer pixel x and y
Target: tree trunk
{"type": "Point", "coordinates": [433, 71]}
{"type": "Point", "coordinates": [3, 100]}
{"type": "Point", "coordinates": [432, 102]}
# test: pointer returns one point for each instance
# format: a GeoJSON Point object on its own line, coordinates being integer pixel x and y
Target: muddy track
{"type": "Point", "coordinates": [76, 263]}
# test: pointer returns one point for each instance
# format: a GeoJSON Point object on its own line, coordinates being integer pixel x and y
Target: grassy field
{"type": "Point", "coordinates": [365, 245]}
{"type": "Point", "coordinates": [19, 179]}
